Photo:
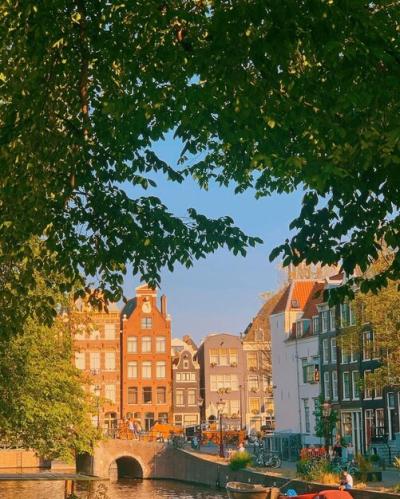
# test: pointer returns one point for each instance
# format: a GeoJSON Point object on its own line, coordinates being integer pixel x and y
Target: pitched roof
{"type": "Point", "coordinates": [315, 298]}
{"type": "Point", "coordinates": [295, 296]}
{"type": "Point", "coordinates": [261, 320]}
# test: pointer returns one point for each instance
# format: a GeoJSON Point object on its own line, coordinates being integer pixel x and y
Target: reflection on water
{"type": "Point", "coordinates": [124, 489]}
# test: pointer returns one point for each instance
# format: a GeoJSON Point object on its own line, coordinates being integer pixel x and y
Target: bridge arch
{"type": "Point", "coordinates": [126, 466]}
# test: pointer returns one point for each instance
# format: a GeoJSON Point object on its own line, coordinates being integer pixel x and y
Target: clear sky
{"type": "Point", "coordinates": [222, 292]}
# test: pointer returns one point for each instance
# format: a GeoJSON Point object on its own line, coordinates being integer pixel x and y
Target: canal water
{"type": "Point", "coordinates": [123, 489]}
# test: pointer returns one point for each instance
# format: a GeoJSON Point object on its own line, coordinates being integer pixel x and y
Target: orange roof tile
{"type": "Point", "coordinates": [315, 298]}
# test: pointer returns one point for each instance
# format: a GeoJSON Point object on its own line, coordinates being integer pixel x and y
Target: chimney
{"type": "Point", "coordinates": [164, 305]}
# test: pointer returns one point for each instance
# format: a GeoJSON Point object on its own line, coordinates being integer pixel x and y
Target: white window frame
{"type": "Point", "coordinates": [161, 344]}
{"type": "Point", "coordinates": [355, 384]}
{"type": "Point", "coordinates": [335, 393]}
{"type": "Point", "coordinates": [161, 369]}
{"type": "Point", "coordinates": [110, 331]}
{"type": "Point", "coordinates": [146, 369]}
{"type": "Point", "coordinates": [80, 360]}
{"type": "Point", "coordinates": [132, 370]}
{"type": "Point", "coordinates": [349, 384]}
{"type": "Point", "coordinates": [145, 344]}
{"type": "Point", "coordinates": [132, 344]}
{"type": "Point", "coordinates": [327, 388]}
{"type": "Point", "coordinates": [325, 351]}
{"type": "Point", "coordinates": [110, 363]}
{"type": "Point", "coordinates": [333, 351]}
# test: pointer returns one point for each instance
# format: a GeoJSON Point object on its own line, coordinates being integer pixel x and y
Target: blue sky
{"type": "Point", "coordinates": [222, 292]}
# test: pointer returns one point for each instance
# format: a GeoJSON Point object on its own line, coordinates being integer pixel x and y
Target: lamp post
{"type": "Point", "coordinates": [220, 407]}
{"type": "Point", "coordinates": [326, 412]}
{"type": "Point", "coordinates": [200, 403]}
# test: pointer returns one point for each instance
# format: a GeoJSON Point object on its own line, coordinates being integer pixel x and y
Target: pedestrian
{"type": "Point", "coordinates": [347, 481]}
{"type": "Point", "coordinates": [131, 428]}
{"type": "Point", "coordinates": [337, 448]}
{"type": "Point", "coordinates": [241, 447]}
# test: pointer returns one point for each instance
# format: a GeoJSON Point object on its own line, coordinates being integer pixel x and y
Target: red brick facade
{"type": "Point", "coordinates": [146, 359]}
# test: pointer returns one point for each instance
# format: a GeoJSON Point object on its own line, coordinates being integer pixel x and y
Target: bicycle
{"type": "Point", "coordinates": [272, 460]}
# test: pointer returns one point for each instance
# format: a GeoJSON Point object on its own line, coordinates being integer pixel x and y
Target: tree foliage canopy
{"type": "Point", "coordinates": [271, 95]}
{"type": "Point", "coordinates": [43, 403]}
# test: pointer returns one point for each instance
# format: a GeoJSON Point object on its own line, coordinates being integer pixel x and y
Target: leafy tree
{"type": "Point", "coordinates": [269, 95]}
{"type": "Point", "coordinates": [378, 318]}
{"type": "Point", "coordinates": [43, 403]}
{"type": "Point", "coordinates": [324, 425]}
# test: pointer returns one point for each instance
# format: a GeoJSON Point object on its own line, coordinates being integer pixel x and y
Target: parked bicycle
{"type": "Point", "coordinates": [266, 459]}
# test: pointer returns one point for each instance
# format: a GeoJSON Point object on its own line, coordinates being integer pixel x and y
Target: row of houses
{"type": "Point", "coordinates": [313, 361]}
{"type": "Point", "coordinates": [138, 371]}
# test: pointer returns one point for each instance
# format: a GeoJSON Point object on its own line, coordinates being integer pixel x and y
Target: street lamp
{"type": "Point", "coordinates": [326, 412]}
{"type": "Point", "coordinates": [220, 407]}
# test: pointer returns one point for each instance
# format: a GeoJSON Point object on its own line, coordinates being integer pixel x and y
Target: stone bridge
{"type": "Point", "coordinates": [127, 458]}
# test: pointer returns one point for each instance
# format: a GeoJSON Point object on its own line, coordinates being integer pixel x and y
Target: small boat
{"type": "Point", "coordinates": [240, 490]}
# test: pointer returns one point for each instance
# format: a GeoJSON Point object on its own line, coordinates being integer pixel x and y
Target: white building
{"type": "Point", "coordinates": [295, 358]}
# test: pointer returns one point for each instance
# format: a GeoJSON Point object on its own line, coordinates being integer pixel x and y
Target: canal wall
{"type": "Point", "coordinates": [183, 465]}
{"type": "Point", "coordinates": [17, 458]}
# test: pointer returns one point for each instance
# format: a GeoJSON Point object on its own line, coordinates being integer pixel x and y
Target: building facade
{"type": "Point", "coordinates": [97, 352]}
{"type": "Point", "coordinates": [223, 375]}
{"type": "Point", "coordinates": [187, 402]}
{"type": "Point", "coordinates": [146, 390]}
{"type": "Point", "coordinates": [295, 359]}
{"type": "Point", "coordinates": [258, 384]}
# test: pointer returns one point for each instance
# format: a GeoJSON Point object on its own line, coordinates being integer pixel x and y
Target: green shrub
{"type": "Point", "coordinates": [239, 460]}
{"type": "Point", "coordinates": [364, 466]}
{"type": "Point", "coordinates": [317, 470]}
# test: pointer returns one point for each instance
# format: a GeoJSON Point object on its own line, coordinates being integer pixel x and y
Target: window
{"type": "Point", "coordinates": [344, 315]}
{"type": "Point", "coordinates": [146, 344]}
{"type": "Point", "coordinates": [333, 350]}
{"type": "Point", "coordinates": [214, 356]}
{"type": "Point", "coordinates": [252, 363]}
{"type": "Point", "coordinates": [355, 382]}
{"type": "Point", "coordinates": [252, 382]}
{"type": "Point", "coordinates": [223, 381]}
{"type": "Point", "coordinates": [161, 395]}
{"type": "Point", "coordinates": [80, 332]}
{"type": "Point", "coordinates": [163, 417]}
{"type": "Point", "coordinates": [380, 421]}
{"type": "Point", "coordinates": [345, 352]}
{"type": "Point", "coordinates": [94, 334]}
{"type": "Point", "coordinates": [310, 370]}
{"type": "Point", "coordinates": [334, 385]}
{"type": "Point", "coordinates": [160, 369]}
{"type": "Point", "coordinates": [191, 397]}
{"type": "Point", "coordinates": [315, 322]}
{"type": "Point", "coordinates": [178, 419]}
{"type": "Point", "coordinates": [378, 391]}
{"type": "Point", "coordinates": [132, 344]}
{"type": "Point", "coordinates": [160, 344]}
{"type": "Point", "coordinates": [299, 329]}
{"type": "Point", "coordinates": [346, 385]}
{"type": "Point", "coordinates": [132, 369]}
{"type": "Point", "coordinates": [223, 357]}
{"type": "Point", "coordinates": [352, 315]}
{"type": "Point", "coordinates": [95, 362]}
{"type": "Point", "coordinates": [233, 356]}
{"type": "Point", "coordinates": [327, 389]}
{"type": "Point", "coordinates": [325, 351]}
{"type": "Point", "coordinates": [307, 416]}
{"type": "Point", "coordinates": [110, 393]}
{"type": "Point", "coordinates": [132, 395]}
{"type": "Point", "coordinates": [186, 377]}
{"type": "Point", "coordinates": [179, 397]}
{"type": "Point", "coordinates": [353, 353]}
{"type": "Point", "coordinates": [109, 331]}
{"type": "Point", "coordinates": [147, 396]}
{"type": "Point", "coordinates": [146, 323]}
{"type": "Point", "coordinates": [367, 385]}
{"type": "Point", "coordinates": [367, 345]}
{"type": "Point", "coordinates": [325, 321]}
{"type": "Point", "coordinates": [80, 360]}
{"type": "Point", "coordinates": [185, 364]}
{"type": "Point", "coordinates": [146, 370]}
{"type": "Point", "coordinates": [332, 319]}
{"type": "Point", "coordinates": [110, 361]}
{"type": "Point", "coordinates": [234, 407]}
{"type": "Point", "coordinates": [254, 404]}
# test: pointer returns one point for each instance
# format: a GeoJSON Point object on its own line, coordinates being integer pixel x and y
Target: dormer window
{"type": "Point", "coordinates": [295, 304]}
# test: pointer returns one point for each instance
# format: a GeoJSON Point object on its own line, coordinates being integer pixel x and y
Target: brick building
{"type": "Point", "coordinates": [146, 358]}
{"type": "Point", "coordinates": [185, 383]}
{"type": "Point", "coordinates": [97, 352]}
